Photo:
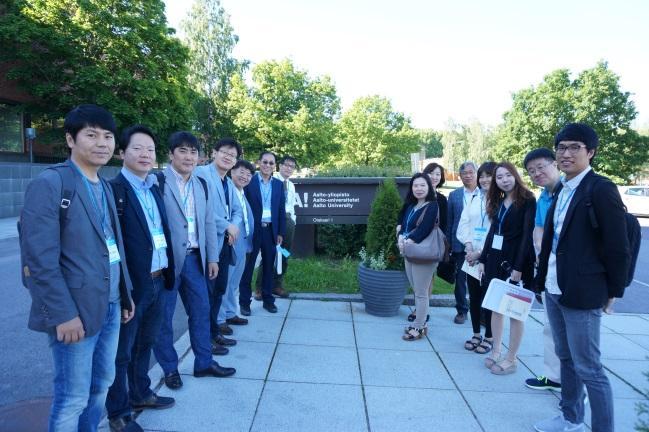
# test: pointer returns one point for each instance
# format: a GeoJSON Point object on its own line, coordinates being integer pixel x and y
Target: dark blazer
{"type": "Point", "coordinates": [138, 243]}
{"type": "Point", "coordinates": [442, 202]}
{"type": "Point", "coordinates": [454, 212]}
{"type": "Point", "coordinates": [419, 232]}
{"type": "Point", "coordinates": [277, 204]}
{"type": "Point", "coordinates": [592, 265]}
{"type": "Point", "coordinates": [68, 272]}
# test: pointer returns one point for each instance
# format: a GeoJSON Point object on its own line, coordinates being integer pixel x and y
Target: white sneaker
{"type": "Point", "coordinates": [558, 424]}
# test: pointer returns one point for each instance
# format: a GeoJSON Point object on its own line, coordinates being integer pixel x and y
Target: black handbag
{"type": "Point", "coordinates": [446, 270]}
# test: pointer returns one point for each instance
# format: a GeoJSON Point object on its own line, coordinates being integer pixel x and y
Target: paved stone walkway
{"type": "Point", "coordinates": [329, 366]}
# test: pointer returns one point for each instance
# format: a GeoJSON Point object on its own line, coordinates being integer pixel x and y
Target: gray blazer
{"type": "Point", "coordinates": [455, 207]}
{"type": "Point", "coordinates": [233, 214]}
{"type": "Point", "coordinates": [66, 268]}
{"type": "Point", "coordinates": [206, 229]}
{"type": "Point", "coordinates": [243, 245]}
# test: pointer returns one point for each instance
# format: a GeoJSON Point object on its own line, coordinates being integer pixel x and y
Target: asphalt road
{"type": "Point", "coordinates": [26, 367]}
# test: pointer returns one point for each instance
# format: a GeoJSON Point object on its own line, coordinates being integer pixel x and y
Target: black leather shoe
{"type": "Point", "coordinates": [124, 424]}
{"type": "Point", "coordinates": [173, 381]}
{"type": "Point", "coordinates": [153, 402]}
{"type": "Point", "coordinates": [270, 307]}
{"type": "Point", "coordinates": [219, 349]}
{"type": "Point", "coordinates": [225, 329]}
{"type": "Point", "coordinates": [224, 341]}
{"type": "Point", "coordinates": [215, 370]}
{"type": "Point", "coordinates": [245, 310]}
{"type": "Point", "coordinates": [236, 320]}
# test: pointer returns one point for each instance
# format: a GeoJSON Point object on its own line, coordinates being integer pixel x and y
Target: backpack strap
{"type": "Point", "coordinates": [161, 181]}
{"type": "Point", "coordinates": [589, 203]}
{"type": "Point", "coordinates": [204, 184]}
{"type": "Point", "coordinates": [68, 187]}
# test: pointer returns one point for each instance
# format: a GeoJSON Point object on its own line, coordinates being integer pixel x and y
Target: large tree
{"type": "Point", "coordinates": [286, 111]}
{"type": "Point", "coordinates": [121, 55]}
{"type": "Point", "coordinates": [211, 39]}
{"type": "Point", "coordinates": [431, 142]}
{"type": "Point", "coordinates": [595, 98]}
{"type": "Point", "coordinates": [371, 132]}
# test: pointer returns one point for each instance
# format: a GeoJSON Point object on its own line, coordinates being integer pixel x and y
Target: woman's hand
{"type": "Point", "coordinates": [516, 276]}
{"type": "Point", "coordinates": [472, 257]}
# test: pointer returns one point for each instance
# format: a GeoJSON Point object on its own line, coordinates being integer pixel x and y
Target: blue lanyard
{"type": "Point", "coordinates": [411, 214]}
{"type": "Point", "coordinates": [266, 190]}
{"type": "Point", "coordinates": [501, 218]}
{"type": "Point", "coordinates": [189, 188]}
{"type": "Point", "coordinates": [483, 213]}
{"type": "Point", "coordinates": [104, 202]}
{"type": "Point", "coordinates": [146, 199]}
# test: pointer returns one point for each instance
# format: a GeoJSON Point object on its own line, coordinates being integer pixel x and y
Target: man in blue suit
{"type": "Point", "coordinates": [142, 215]}
{"type": "Point", "coordinates": [266, 197]}
{"type": "Point", "coordinates": [73, 265]}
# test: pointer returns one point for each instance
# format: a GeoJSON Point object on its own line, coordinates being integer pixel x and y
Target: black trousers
{"type": "Point", "coordinates": [476, 295]}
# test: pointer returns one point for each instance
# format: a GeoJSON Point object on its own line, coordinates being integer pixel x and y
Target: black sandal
{"type": "Point", "coordinates": [473, 343]}
{"type": "Point", "coordinates": [413, 317]}
{"type": "Point", "coordinates": [485, 346]}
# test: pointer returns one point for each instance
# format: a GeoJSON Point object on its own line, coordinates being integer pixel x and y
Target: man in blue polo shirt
{"type": "Point", "coordinates": [542, 169]}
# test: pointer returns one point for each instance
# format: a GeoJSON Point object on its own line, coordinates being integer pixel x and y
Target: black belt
{"type": "Point", "coordinates": [193, 251]}
{"type": "Point", "coordinates": [265, 224]}
{"type": "Point", "coordinates": [156, 274]}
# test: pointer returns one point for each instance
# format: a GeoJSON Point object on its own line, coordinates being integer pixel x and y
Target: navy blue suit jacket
{"type": "Point", "coordinates": [277, 205]}
{"type": "Point", "coordinates": [138, 243]}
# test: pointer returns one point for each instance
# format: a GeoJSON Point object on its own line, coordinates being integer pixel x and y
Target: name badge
{"type": "Point", "coordinates": [227, 211]}
{"type": "Point", "coordinates": [191, 225]}
{"type": "Point", "coordinates": [479, 235]}
{"type": "Point", "coordinates": [497, 242]}
{"type": "Point", "coordinates": [159, 240]}
{"type": "Point", "coordinates": [265, 214]}
{"type": "Point", "coordinates": [113, 252]}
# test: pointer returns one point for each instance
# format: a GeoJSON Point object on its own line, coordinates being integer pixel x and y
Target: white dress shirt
{"type": "Point", "coordinates": [290, 195]}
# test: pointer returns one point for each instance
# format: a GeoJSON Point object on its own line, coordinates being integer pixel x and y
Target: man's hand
{"type": "Point", "coordinates": [128, 315]}
{"type": "Point", "coordinates": [481, 270]}
{"type": "Point", "coordinates": [516, 276]}
{"type": "Point", "coordinates": [70, 331]}
{"type": "Point", "coordinates": [608, 308]}
{"type": "Point", "coordinates": [280, 239]}
{"type": "Point", "coordinates": [212, 270]}
{"type": "Point", "coordinates": [233, 233]}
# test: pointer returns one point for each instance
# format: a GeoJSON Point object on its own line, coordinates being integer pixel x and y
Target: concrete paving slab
{"type": "Point", "coordinates": [451, 339]}
{"type": "Point", "coordinates": [418, 369]}
{"type": "Point", "coordinates": [633, 372]}
{"type": "Point", "coordinates": [534, 364]}
{"type": "Point", "coordinates": [507, 412]}
{"type": "Point", "coordinates": [616, 346]}
{"type": "Point", "coordinates": [315, 364]}
{"type": "Point", "coordinates": [204, 404]}
{"type": "Point", "coordinates": [300, 407]}
{"type": "Point", "coordinates": [626, 414]}
{"type": "Point", "coordinates": [386, 336]}
{"type": "Point", "coordinates": [256, 308]}
{"type": "Point", "coordinates": [8, 228]}
{"type": "Point", "coordinates": [360, 316]}
{"type": "Point", "coordinates": [321, 310]}
{"type": "Point", "coordinates": [443, 317]}
{"type": "Point", "coordinates": [626, 324]}
{"type": "Point", "coordinates": [318, 332]}
{"type": "Point", "coordinates": [409, 409]}
{"type": "Point", "coordinates": [641, 340]}
{"type": "Point", "coordinates": [532, 343]}
{"type": "Point", "coordinates": [259, 329]}
{"type": "Point", "coordinates": [469, 373]}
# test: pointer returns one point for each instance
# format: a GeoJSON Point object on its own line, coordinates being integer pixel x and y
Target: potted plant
{"type": "Point", "coordinates": [381, 278]}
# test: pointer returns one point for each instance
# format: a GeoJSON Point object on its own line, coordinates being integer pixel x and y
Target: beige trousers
{"type": "Point", "coordinates": [420, 276]}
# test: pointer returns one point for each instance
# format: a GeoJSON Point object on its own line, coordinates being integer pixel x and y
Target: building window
{"type": "Point", "coordinates": [11, 129]}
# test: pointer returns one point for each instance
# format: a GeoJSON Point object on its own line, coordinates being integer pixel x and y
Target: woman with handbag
{"type": "Point", "coordinates": [418, 218]}
{"type": "Point", "coordinates": [508, 254]}
{"type": "Point", "coordinates": [472, 233]}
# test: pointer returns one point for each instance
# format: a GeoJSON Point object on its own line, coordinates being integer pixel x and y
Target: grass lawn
{"type": "Point", "coordinates": [338, 276]}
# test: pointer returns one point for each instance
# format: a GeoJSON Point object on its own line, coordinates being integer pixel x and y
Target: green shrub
{"type": "Point", "coordinates": [340, 241]}
{"type": "Point", "coordinates": [381, 224]}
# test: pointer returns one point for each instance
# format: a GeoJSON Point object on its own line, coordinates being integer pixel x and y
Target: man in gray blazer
{"type": "Point", "coordinates": [195, 252]}
{"type": "Point", "coordinates": [72, 264]}
{"type": "Point", "coordinates": [227, 213]}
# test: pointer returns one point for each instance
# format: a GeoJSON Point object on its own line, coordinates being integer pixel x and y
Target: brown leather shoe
{"type": "Point", "coordinates": [226, 329]}
{"type": "Point", "coordinates": [236, 320]}
{"type": "Point", "coordinates": [257, 295]}
{"type": "Point", "coordinates": [459, 318]}
{"type": "Point", "coordinates": [280, 292]}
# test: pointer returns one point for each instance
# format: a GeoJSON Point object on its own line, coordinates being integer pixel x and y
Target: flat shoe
{"type": "Point", "coordinates": [498, 369]}
{"type": "Point", "coordinates": [489, 362]}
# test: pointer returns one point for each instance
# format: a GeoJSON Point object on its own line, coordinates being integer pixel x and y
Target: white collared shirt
{"type": "Point", "coordinates": [564, 199]}
{"type": "Point", "coordinates": [244, 208]}
{"type": "Point", "coordinates": [468, 195]}
{"type": "Point", "coordinates": [290, 195]}
{"type": "Point", "coordinates": [185, 188]}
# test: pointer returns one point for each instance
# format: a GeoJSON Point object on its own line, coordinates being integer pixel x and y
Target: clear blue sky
{"type": "Point", "coordinates": [438, 59]}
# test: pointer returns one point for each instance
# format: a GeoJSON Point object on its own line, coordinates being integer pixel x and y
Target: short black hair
{"type": "Point", "coordinates": [127, 133]}
{"type": "Point", "coordinates": [432, 167]}
{"type": "Point", "coordinates": [228, 142]}
{"type": "Point", "coordinates": [241, 163]}
{"type": "Point", "coordinates": [267, 152]}
{"type": "Point", "coordinates": [288, 159]}
{"type": "Point", "coordinates": [578, 132]}
{"type": "Point", "coordinates": [539, 153]}
{"type": "Point", "coordinates": [88, 115]}
{"type": "Point", "coordinates": [486, 168]}
{"type": "Point", "coordinates": [183, 138]}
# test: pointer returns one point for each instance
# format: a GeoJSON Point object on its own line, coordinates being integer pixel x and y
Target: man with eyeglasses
{"type": "Point", "coordinates": [583, 266]}
{"type": "Point", "coordinates": [266, 197]}
{"type": "Point", "coordinates": [542, 169]}
{"type": "Point", "coordinates": [227, 213]}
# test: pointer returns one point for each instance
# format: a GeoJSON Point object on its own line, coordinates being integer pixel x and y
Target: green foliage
{"type": "Point", "coordinates": [340, 241]}
{"type": "Point", "coordinates": [382, 222]}
{"type": "Point", "coordinates": [462, 142]}
{"type": "Point", "coordinates": [316, 274]}
{"type": "Point", "coordinates": [595, 98]}
{"type": "Point", "coordinates": [431, 142]}
{"type": "Point", "coordinates": [371, 133]}
{"type": "Point", "coordinates": [363, 171]}
{"type": "Point", "coordinates": [121, 55]}
{"type": "Point", "coordinates": [285, 111]}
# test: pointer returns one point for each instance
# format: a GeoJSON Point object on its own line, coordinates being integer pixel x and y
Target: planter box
{"type": "Point", "coordinates": [383, 290]}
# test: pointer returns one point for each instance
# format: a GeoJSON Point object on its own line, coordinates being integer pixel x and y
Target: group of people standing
{"type": "Point", "coordinates": [105, 261]}
{"type": "Point", "coordinates": [571, 246]}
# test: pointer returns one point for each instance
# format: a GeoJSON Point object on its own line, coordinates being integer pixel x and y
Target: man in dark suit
{"type": "Point", "coordinates": [150, 261]}
{"type": "Point", "coordinates": [583, 268]}
{"type": "Point", "coordinates": [265, 195]}
{"type": "Point", "coordinates": [73, 265]}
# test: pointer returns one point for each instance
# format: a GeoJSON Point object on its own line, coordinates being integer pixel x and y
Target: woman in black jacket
{"type": "Point", "coordinates": [508, 253]}
{"type": "Point", "coordinates": [417, 219]}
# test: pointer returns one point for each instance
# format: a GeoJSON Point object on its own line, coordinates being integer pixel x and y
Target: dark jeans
{"type": "Point", "coordinates": [576, 341]}
{"type": "Point", "coordinates": [268, 251]}
{"type": "Point", "coordinates": [461, 304]}
{"type": "Point", "coordinates": [476, 295]}
{"type": "Point", "coordinates": [136, 339]}
{"type": "Point", "coordinates": [218, 287]}
{"type": "Point", "coordinates": [192, 286]}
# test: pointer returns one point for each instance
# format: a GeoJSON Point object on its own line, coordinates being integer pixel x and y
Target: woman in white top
{"type": "Point", "coordinates": [472, 232]}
